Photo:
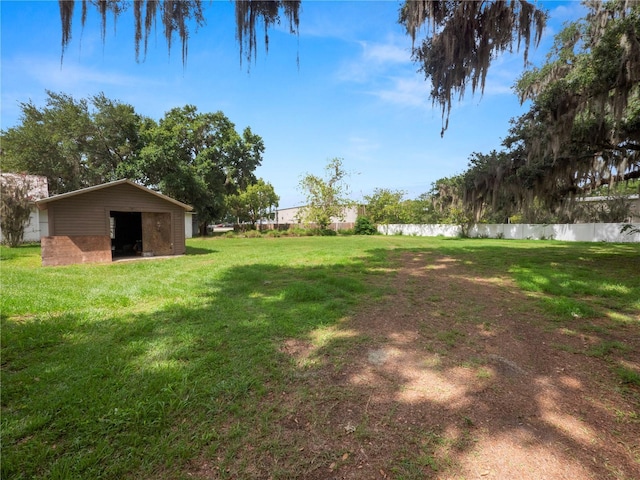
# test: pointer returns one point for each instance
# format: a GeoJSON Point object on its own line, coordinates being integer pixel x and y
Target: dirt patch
{"type": "Point", "coordinates": [454, 375]}
{"type": "Point", "coordinates": [461, 379]}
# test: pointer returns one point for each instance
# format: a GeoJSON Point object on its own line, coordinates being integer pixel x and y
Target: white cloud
{"type": "Point", "coordinates": [568, 11]}
{"type": "Point", "coordinates": [376, 59]}
{"type": "Point", "coordinates": [404, 91]}
{"type": "Point", "coordinates": [385, 54]}
{"type": "Point", "coordinates": [27, 78]}
{"type": "Point", "coordinates": [558, 16]}
{"type": "Point", "coordinates": [70, 76]}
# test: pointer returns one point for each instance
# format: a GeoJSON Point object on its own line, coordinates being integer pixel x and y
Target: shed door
{"type": "Point", "coordinates": [156, 233]}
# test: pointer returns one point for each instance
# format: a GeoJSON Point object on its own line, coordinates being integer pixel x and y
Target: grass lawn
{"type": "Point", "coordinates": [141, 369]}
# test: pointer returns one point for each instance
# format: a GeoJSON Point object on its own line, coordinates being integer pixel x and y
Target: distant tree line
{"type": "Point", "coordinates": [197, 158]}
{"type": "Point", "coordinates": [581, 133]}
{"type": "Point", "coordinates": [579, 137]}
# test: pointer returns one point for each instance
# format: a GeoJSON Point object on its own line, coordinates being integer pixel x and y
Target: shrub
{"type": "Point", "coordinates": [364, 227]}
{"type": "Point", "coordinates": [252, 234]}
{"type": "Point", "coordinates": [327, 232]}
{"type": "Point", "coordinates": [14, 209]}
{"type": "Point", "coordinates": [273, 234]}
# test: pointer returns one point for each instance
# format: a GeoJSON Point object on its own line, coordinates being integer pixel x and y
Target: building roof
{"type": "Point", "coordinates": [42, 204]}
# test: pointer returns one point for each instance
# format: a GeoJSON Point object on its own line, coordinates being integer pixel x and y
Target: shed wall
{"type": "Point", "coordinates": [88, 214]}
{"type": "Point", "coordinates": [63, 250]}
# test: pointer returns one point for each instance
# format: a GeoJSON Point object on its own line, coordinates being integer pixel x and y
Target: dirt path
{"type": "Point", "coordinates": [454, 376]}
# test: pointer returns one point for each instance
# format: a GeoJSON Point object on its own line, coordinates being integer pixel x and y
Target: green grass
{"type": "Point", "coordinates": [137, 369]}
{"type": "Point", "coordinates": [627, 376]}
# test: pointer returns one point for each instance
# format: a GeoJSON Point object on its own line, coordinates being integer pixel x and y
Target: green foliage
{"type": "Point", "coordinates": [299, 232]}
{"type": "Point", "coordinates": [198, 158]}
{"type": "Point", "coordinates": [420, 210]}
{"type": "Point", "coordinates": [252, 234]}
{"type": "Point", "coordinates": [273, 233]}
{"type": "Point", "coordinates": [629, 187]}
{"type": "Point", "coordinates": [385, 206]}
{"type": "Point", "coordinates": [254, 203]}
{"type": "Point", "coordinates": [327, 198]}
{"type": "Point", "coordinates": [580, 134]}
{"type": "Point", "coordinates": [15, 208]}
{"type": "Point", "coordinates": [364, 227]}
{"type": "Point", "coordinates": [74, 143]}
{"type": "Point", "coordinates": [627, 375]}
{"type": "Point", "coordinates": [447, 195]}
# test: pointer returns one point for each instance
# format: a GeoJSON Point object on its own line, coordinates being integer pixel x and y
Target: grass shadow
{"type": "Point", "coordinates": [191, 250]}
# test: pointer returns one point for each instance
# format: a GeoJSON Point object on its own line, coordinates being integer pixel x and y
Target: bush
{"type": "Point", "coordinates": [15, 208]}
{"type": "Point", "coordinates": [364, 227]}
{"type": "Point", "coordinates": [273, 233]}
{"type": "Point", "coordinates": [327, 232]}
{"type": "Point", "coordinates": [252, 234]}
{"type": "Point", "coordinates": [304, 232]}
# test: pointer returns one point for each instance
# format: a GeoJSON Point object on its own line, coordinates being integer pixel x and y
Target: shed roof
{"type": "Point", "coordinates": [42, 203]}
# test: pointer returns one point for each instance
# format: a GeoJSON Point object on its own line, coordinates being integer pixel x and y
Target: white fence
{"type": "Point", "coordinates": [578, 232]}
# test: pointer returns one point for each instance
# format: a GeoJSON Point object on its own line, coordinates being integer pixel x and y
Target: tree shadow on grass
{"type": "Point", "coordinates": [397, 364]}
{"type": "Point", "coordinates": [191, 250]}
{"type": "Point", "coordinates": [458, 375]}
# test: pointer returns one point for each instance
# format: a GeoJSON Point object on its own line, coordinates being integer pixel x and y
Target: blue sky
{"type": "Point", "coordinates": [355, 94]}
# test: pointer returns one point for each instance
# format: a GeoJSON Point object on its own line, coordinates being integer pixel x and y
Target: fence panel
{"type": "Point", "coordinates": [578, 232]}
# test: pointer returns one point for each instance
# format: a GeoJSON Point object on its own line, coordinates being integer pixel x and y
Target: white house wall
{"type": "Point", "coordinates": [188, 225]}
{"type": "Point", "coordinates": [44, 224]}
{"type": "Point", "coordinates": [38, 189]}
{"type": "Point", "coordinates": [31, 229]}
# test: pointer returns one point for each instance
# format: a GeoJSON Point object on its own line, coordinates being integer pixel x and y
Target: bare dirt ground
{"type": "Point", "coordinates": [460, 377]}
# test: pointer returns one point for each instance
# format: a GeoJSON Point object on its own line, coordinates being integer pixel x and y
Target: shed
{"type": "Point", "coordinates": [115, 219]}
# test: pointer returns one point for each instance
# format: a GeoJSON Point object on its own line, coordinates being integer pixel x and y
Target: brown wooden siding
{"type": "Point", "coordinates": [63, 250]}
{"type": "Point", "coordinates": [88, 213]}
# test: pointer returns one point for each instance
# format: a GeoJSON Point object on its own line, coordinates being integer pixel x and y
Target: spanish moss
{"type": "Point", "coordinates": [462, 39]}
